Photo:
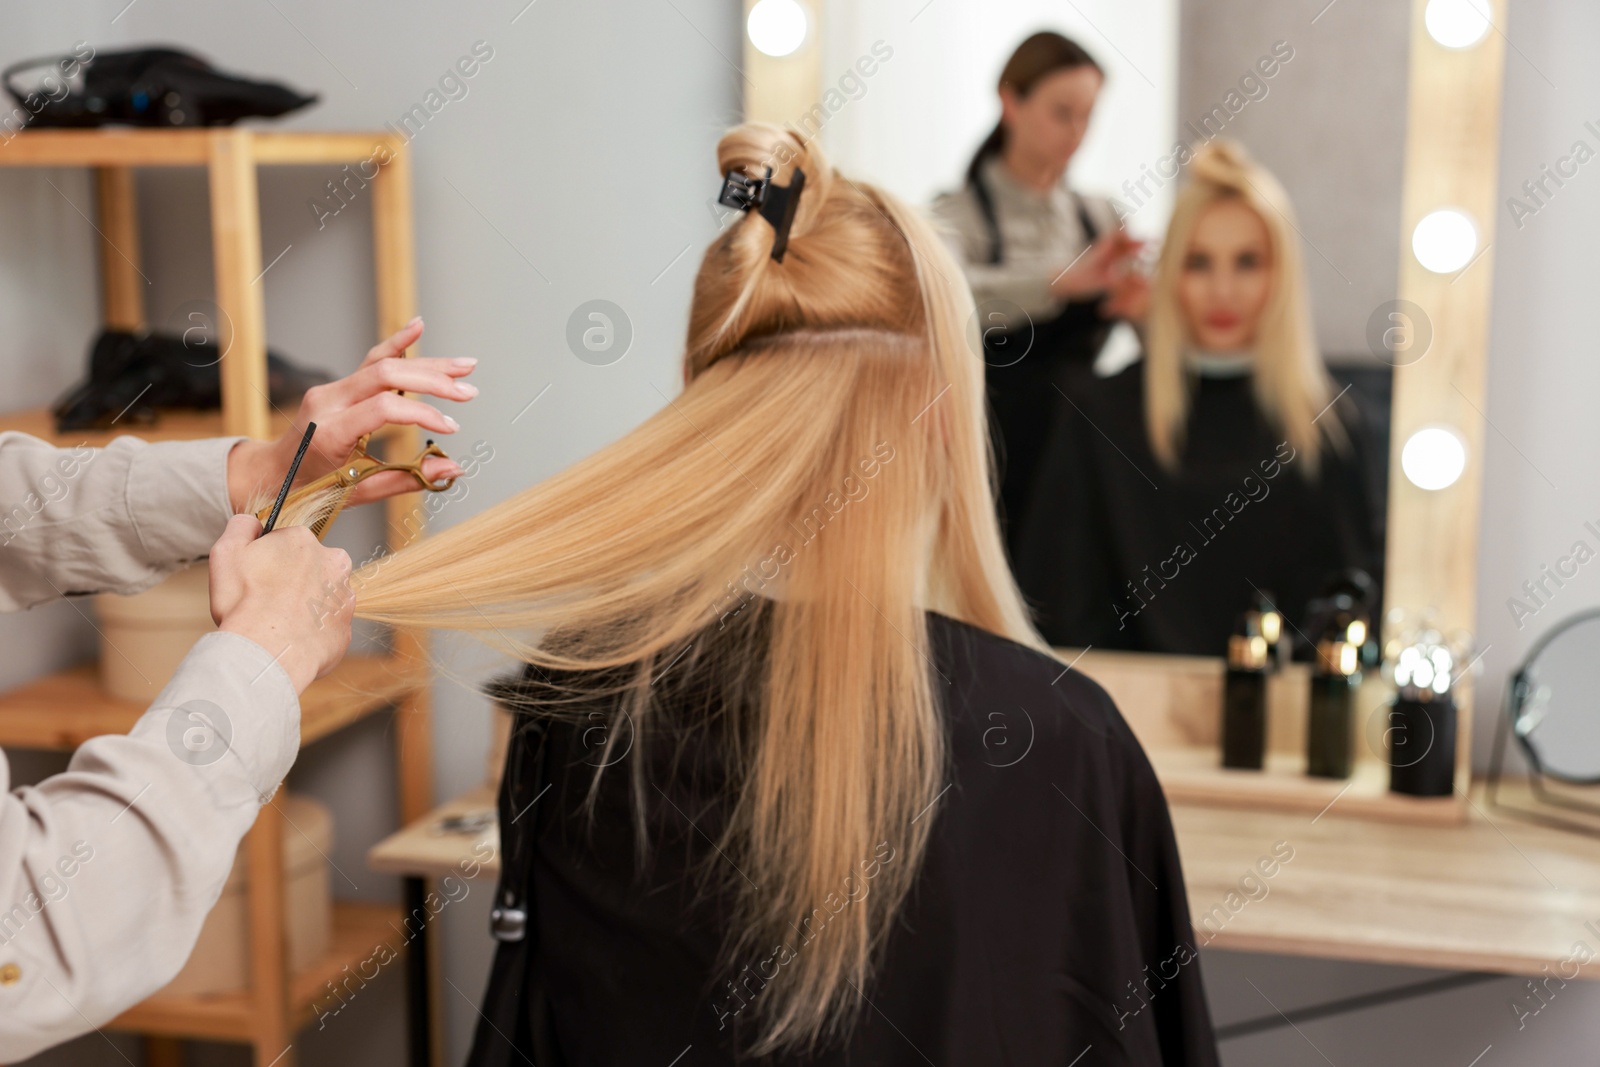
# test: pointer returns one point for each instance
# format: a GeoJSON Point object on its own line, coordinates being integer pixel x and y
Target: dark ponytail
{"type": "Point", "coordinates": [1042, 54]}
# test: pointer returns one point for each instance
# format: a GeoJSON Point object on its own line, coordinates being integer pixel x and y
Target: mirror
{"type": "Point", "coordinates": [1251, 491]}
{"type": "Point", "coordinates": [1550, 702]}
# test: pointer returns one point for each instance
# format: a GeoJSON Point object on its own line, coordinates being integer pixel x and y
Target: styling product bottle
{"type": "Point", "coordinates": [1270, 624]}
{"type": "Point", "coordinates": [1422, 720]}
{"type": "Point", "coordinates": [1334, 681]}
{"type": "Point", "coordinates": [1244, 698]}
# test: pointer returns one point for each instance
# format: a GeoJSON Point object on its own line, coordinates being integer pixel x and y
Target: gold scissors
{"type": "Point", "coordinates": [360, 466]}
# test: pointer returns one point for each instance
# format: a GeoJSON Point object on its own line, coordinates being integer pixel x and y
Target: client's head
{"type": "Point", "coordinates": [1230, 279]}
{"type": "Point", "coordinates": [825, 471]}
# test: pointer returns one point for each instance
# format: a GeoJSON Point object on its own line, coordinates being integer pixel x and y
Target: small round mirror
{"type": "Point", "coordinates": [1551, 701]}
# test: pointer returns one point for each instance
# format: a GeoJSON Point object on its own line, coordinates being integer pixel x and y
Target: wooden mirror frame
{"type": "Point", "coordinates": [1452, 160]}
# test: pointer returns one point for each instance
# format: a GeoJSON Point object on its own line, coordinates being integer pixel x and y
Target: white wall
{"type": "Point", "coordinates": [1330, 125]}
{"type": "Point", "coordinates": [1541, 483]}
{"type": "Point", "coordinates": [926, 110]}
{"type": "Point", "coordinates": [579, 166]}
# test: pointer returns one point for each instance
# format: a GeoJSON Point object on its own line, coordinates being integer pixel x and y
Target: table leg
{"type": "Point", "coordinates": [419, 1012]}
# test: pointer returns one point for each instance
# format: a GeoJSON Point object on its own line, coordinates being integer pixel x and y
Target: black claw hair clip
{"type": "Point", "coordinates": [776, 203]}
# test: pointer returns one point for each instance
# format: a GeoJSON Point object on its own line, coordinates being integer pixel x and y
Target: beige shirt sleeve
{"type": "Point", "coordinates": [115, 519]}
{"type": "Point", "coordinates": [966, 234]}
{"type": "Point", "coordinates": [108, 870]}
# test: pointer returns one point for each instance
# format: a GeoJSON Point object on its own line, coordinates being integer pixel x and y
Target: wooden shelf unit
{"type": "Point", "coordinates": [359, 933]}
{"type": "Point", "coordinates": [173, 425]}
{"type": "Point", "coordinates": [60, 711]}
{"type": "Point", "coordinates": [64, 709]}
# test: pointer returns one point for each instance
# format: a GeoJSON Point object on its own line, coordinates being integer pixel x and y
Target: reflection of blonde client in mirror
{"type": "Point", "coordinates": [1230, 294]}
{"type": "Point", "coordinates": [819, 788]}
{"type": "Point", "coordinates": [1153, 528]}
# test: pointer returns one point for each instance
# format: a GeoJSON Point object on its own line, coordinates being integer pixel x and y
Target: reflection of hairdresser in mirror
{"type": "Point", "coordinates": [1221, 463]}
{"type": "Point", "coordinates": [108, 870]}
{"type": "Point", "coordinates": [777, 701]}
{"type": "Point", "coordinates": [1029, 243]}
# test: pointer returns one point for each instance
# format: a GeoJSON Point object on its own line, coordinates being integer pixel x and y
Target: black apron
{"type": "Point", "coordinates": [1024, 367]}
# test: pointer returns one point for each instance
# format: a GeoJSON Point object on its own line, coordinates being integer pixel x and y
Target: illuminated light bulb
{"type": "Point", "coordinates": [1357, 633]}
{"type": "Point", "coordinates": [1457, 23]}
{"type": "Point", "coordinates": [1271, 626]}
{"type": "Point", "coordinates": [1434, 457]}
{"type": "Point", "coordinates": [1445, 240]}
{"type": "Point", "coordinates": [1422, 674]}
{"type": "Point", "coordinates": [777, 27]}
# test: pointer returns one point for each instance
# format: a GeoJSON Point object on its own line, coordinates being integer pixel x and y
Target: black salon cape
{"type": "Point", "coordinates": [1048, 925]}
{"type": "Point", "coordinates": [1237, 517]}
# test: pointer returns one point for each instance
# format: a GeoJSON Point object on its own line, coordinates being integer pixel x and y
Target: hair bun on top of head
{"type": "Point", "coordinates": [1225, 164]}
{"type": "Point", "coordinates": [850, 263]}
{"type": "Point", "coordinates": [765, 168]}
{"type": "Point", "coordinates": [1222, 162]}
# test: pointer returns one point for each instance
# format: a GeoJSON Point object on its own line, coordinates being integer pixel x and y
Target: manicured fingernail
{"type": "Point", "coordinates": [414, 320]}
{"type": "Point", "coordinates": [467, 389]}
{"type": "Point", "coordinates": [452, 423]}
{"type": "Point", "coordinates": [453, 471]}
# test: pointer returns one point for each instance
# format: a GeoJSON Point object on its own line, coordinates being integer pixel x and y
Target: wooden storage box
{"type": "Point", "coordinates": [220, 962]}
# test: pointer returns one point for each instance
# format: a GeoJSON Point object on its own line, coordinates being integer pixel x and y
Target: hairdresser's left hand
{"type": "Point", "coordinates": [1097, 268]}
{"type": "Point", "coordinates": [1129, 298]}
{"type": "Point", "coordinates": [348, 409]}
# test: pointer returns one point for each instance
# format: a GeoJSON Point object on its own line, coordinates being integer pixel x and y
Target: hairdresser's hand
{"type": "Point", "coordinates": [1097, 269]}
{"type": "Point", "coordinates": [1129, 298]}
{"type": "Point", "coordinates": [285, 592]}
{"type": "Point", "coordinates": [351, 407]}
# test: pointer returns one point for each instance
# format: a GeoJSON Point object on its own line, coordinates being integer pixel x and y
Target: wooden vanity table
{"type": "Point", "coordinates": [1492, 893]}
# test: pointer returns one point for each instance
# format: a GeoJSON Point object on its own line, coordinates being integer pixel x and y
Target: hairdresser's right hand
{"type": "Point", "coordinates": [285, 592]}
{"type": "Point", "coordinates": [1097, 269]}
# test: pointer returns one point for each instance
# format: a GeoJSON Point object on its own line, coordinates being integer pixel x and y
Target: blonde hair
{"type": "Point", "coordinates": [1292, 386]}
{"type": "Point", "coordinates": [797, 374]}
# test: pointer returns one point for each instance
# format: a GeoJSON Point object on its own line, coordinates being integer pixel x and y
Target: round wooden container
{"type": "Point", "coordinates": [144, 637]}
{"type": "Point", "coordinates": [220, 962]}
